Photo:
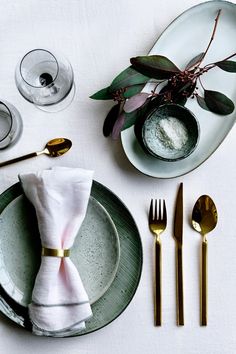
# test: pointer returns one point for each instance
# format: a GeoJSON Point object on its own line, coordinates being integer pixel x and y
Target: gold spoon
{"type": "Point", "coordinates": [55, 147]}
{"type": "Point", "coordinates": [204, 220]}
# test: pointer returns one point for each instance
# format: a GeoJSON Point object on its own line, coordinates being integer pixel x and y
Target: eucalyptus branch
{"type": "Point", "coordinates": [201, 83]}
{"type": "Point", "coordinates": [178, 87]}
{"type": "Point", "coordinates": [212, 37]}
{"type": "Point", "coordinates": [229, 57]}
{"type": "Point", "coordinates": [213, 65]}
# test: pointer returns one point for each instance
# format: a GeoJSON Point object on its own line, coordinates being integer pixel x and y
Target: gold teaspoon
{"type": "Point", "coordinates": [204, 220]}
{"type": "Point", "coordinates": [55, 147]}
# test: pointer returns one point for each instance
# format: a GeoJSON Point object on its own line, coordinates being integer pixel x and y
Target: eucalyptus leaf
{"type": "Point", "coordinates": [218, 103]}
{"type": "Point", "coordinates": [118, 126]}
{"type": "Point", "coordinates": [131, 118]}
{"type": "Point", "coordinates": [135, 102]}
{"type": "Point", "coordinates": [181, 100]}
{"type": "Point", "coordinates": [128, 77]}
{"type": "Point", "coordinates": [196, 60]}
{"type": "Point", "coordinates": [138, 127]}
{"type": "Point", "coordinates": [227, 65]}
{"type": "Point", "coordinates": [110, 120]}
{"type": "Point", "coordinates": [133, 90]}
{"type": "Point", "coordinates": [187, 88]}
{"type": "Point", "coordinates": [202, 103]}
{"type": "Point", "coordinates": [155, 102]}
{"type": "Point", "coordinates": [103, 94]}
{"type": "Point", "coordinates": [176, 93]}
{"type": "Point", "coordinates": [155, 66]}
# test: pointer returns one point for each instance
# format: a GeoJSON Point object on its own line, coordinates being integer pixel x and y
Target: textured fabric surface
{"type": "Point", "coordinates": [60, 198]}
{"type": "Point", "coordinates": [99, 37]}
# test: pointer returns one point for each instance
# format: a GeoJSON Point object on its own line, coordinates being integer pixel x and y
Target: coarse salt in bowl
{"type": "Point", "coordinates": [170, 132]}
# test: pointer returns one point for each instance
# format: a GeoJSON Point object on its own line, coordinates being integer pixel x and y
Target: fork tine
{"type": "Point", "coordinates": [155, 216]}
{"type": "Point", "coordinates": [159, 212]}
{"type": "Point", "coordinates": [150, 215]}
{"type": "Point", "coordinates": [164, 210]}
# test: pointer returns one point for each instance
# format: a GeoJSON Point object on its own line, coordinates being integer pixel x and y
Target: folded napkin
{"type": "Point", "coordinates": [60, 197]}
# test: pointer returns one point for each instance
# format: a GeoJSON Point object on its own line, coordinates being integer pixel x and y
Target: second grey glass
{"type": "Point", "coordinates": [10, 125]}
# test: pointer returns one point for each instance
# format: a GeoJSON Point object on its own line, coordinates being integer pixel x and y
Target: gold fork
{"type": "Point", "coordinates": [157, 224]}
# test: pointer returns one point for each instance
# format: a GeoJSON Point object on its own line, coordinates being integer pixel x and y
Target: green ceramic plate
{"type": "Point", "coordinates": [120, 291]}
{"type": "Point", "coordinates": [95, 253]}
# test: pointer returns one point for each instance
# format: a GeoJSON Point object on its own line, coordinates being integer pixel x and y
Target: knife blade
{"type": "Point", "coordinates": [178, 236]}
{"type": "Point", "coordinates": [178, 220]}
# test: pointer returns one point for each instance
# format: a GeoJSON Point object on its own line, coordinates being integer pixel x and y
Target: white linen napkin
{"type": "Point", "coordinates": [60, 197]}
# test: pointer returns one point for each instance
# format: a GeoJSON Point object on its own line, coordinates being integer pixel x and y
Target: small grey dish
{"type": "Point", "coordinates": [170, 132]}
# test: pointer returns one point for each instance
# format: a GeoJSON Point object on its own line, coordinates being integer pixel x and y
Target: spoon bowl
{"type": "Point", "coordinates": [57, 147]}
{"type": "Point", "coordinates": [204, 216]}
{"type": "Point", "coordinates": [204, 220]}
{"type": "Point", "coordinates": [54, 148]}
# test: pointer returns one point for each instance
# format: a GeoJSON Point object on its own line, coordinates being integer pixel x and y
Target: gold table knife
{"type": "Point", "coordinates": [178, 236]}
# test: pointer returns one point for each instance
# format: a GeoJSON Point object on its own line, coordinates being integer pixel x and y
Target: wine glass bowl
{"type": "Point", "coordinates": [45, 80]}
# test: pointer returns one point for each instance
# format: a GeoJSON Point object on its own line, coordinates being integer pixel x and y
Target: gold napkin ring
{"type": "Point", "coordinates": [53, 252]}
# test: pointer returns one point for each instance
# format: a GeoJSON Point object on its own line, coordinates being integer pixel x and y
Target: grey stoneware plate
{"type": "Point", "coordinates": [20, 259]}
{"type": "Point", "coordinates": [187, 36]}
{"type": "Point", "coordinates": [95, 253]}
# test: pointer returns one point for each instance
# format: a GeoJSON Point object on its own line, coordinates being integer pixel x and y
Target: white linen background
{"type": "Point", "coordinates": [99, 37]}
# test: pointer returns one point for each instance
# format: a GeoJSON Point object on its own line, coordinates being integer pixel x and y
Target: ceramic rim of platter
{"type": "Point", "coordinates": [172, 43]}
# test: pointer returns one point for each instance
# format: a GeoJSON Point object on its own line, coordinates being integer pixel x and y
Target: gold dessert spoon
{"type": "Point", "coordinates": [55, 147]}
{"type": "Point", "coordinates": [204, 220]}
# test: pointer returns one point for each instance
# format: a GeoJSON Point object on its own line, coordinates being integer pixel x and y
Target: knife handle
{"type": "Point", "coordinates": [203, 317]}
{"type": "Point", "coordinates": [157, 284]}
{"type": "Point", "coordinates": [179, 286]}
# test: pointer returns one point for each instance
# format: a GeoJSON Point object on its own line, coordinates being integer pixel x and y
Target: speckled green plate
{"type": "Point", "coordinates": [95, 253]}
{"type": "Point", "coordinates": [120, 290]}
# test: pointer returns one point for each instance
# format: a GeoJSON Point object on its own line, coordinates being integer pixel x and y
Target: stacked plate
{"type": "Point", "coordinates": [107, 253]}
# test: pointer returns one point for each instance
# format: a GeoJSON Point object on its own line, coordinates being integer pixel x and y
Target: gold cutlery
{"type": "Point", "coordinates": [204, 220]}
{"type": "Point", "coordinates": [157, 224]}
{"type": "Point", "coordinates": [55, 147]}
{"type": "Point", "coordinates": [178, 236]}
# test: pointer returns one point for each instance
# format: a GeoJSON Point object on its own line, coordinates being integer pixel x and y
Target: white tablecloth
{"type": "Point", "coordinates": [99, 37]}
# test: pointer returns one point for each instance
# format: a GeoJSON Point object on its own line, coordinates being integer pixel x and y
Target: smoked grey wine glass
{"type": "Point", "coordinates": [10, 125]}
{"type": "Point", "coordinates": [46, 80]}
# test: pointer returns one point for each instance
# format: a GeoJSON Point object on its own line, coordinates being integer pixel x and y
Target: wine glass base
{"type": "Point", "coordinates": [60, 106]}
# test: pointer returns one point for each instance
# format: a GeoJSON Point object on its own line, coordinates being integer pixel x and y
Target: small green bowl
{"type": "Point", "coordinates": [170, 132]}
